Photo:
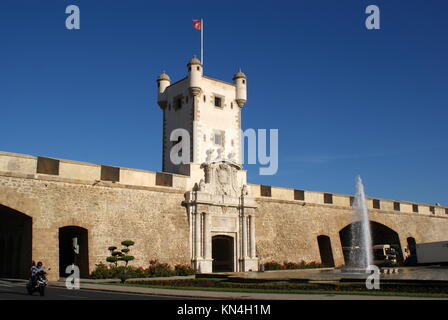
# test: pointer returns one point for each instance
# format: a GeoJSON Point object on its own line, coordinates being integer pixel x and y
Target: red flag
{"type": "Point", "coordinates": [197, 24]}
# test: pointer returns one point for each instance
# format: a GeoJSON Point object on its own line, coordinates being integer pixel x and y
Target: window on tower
{"type": "Point", "coordinates": [218, 100]}
{"type": "Point", "coordinates": [177, 103]}
{"type": "Point", "coordinates": [218, 139]}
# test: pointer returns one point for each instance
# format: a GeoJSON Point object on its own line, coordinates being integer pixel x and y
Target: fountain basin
{"type": "Point", "coordinates": [354, 270]}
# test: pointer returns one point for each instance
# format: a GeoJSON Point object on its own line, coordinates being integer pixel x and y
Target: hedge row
{"type": "Point", "coordinates": [410, 287]}
{"type": "Point", "coordinates": [287, 265]}
{"type": "Point", "coordinates": [155, 269]}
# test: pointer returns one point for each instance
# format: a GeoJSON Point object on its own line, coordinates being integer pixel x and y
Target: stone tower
{"type": "Point", "coordinates": [208, 109]}
{"type": "Point", "coordinates": [220, 208]}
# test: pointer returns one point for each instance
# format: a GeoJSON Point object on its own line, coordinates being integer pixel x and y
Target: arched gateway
{"type": "Point", "coordinates": [381, 234]}
{"type": "Point", "coordinates": [222, 220]}
{"type": "Point", "coordinates": [223, 253]}
{"type": "Point", "coordinates": [15, 243]}
{"type": "Point", "coordinates": [73, 249]}
{"type": "Point", "coordinates": [325, 250]}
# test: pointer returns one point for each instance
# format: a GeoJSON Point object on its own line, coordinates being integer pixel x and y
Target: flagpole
{"type": "Point", "coordinates": [202, 42]}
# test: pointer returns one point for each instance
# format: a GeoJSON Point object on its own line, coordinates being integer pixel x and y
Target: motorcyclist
{"type": "Point", "coordinates": [35, 270]}
{"type": "Point", "coordinates": [38, 280]}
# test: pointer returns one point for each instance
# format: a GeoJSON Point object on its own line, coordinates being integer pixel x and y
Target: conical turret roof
{"type": "Point", "coordinates": [239, 74]}
{"type": "Point", "coordinates": [163, 76]}
{"type": "Point", "coordinates": [194, 60]}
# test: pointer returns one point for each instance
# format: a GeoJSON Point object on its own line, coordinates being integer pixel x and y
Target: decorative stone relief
{"type": "Point", "coordinates": [221, 179]}
{"type": "Point", "coordinates": [221, 203]}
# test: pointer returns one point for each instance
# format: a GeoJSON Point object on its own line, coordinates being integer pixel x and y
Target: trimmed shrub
{"type": "Point", "coordinates": [101, 271]}
{"type": "Point", "coordinates": [155, 269]}
{"type": "Point", "coordinates": [183, 270]}
{"type": "Point", "coordinates": [158, 269]}
{"type": "Point", "coordinates": [288, 265]}
{"type": "Point", "coordinates": [272, 265]}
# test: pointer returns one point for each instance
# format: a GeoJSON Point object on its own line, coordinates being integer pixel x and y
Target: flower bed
{"type": "Point", "coordinates": [155, 269]}
{"type": "Point", "coordinates": [288, 265]}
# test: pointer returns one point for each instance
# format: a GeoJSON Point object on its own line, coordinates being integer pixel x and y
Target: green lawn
{"type": "Point", "coordinates": [305, 288]}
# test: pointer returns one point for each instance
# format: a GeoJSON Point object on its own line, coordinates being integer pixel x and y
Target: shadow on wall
{"type": "Point", "coordinates": [325, 250]}
{"type": "Point", "coordinates": [15, 244]}
{"type": "Point", "coordinates": [73, 249]}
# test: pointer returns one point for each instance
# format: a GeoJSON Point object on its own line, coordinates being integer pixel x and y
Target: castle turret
{"type": "Point", "coordinates": [208, 110]}
{"type": "Point", "coordinates": [163, 82]}
{"type": "Point", "coordinates": [240, 83]}
{"type": "Point", "coordinates": [195, 75]}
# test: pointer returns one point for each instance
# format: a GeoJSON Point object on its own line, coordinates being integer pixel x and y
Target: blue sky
{"type": "Point", "coordinates": [346, 100]}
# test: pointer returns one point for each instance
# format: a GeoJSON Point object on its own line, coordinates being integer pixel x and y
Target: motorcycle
{"type": "Point", "coordinates": [39, 283]}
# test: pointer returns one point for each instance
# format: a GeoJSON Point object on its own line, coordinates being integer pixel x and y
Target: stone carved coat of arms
{"type": "Point", "coordinates": [221, 178]}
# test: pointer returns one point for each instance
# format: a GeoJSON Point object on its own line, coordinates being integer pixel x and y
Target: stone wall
{"type": "Point", "coordinates": [138, 207]}
{"type": "Point", "coordinates": [152, 217]}
{"type": "Point", "coordinates": [288, 230]}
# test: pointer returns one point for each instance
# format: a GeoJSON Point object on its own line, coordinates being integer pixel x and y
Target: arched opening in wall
{"type": "Point", "coordinates": [15, 243]}
{"type": "Point", "coordinates": [73, 249]}
{"type": "Point", "coordinates": [411, 258]}
{"type": "Point", "coordinates": [222, 254]}
{"type": "Point", "coordinates": [412, 246]}
{"type": "Point", "coordinates": [381, 234]}
{"type": "Point", "coordinates": [326, 252]}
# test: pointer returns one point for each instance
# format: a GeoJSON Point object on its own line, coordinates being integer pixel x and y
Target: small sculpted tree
{"type": "Point", "coordinates": [122, 255]}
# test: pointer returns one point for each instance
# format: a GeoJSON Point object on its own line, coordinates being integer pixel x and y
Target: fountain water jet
{"type": "Point", "coordinates": [360, 256]}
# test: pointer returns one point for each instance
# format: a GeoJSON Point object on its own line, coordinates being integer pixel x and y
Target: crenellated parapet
{"type": "Point", "coordinates": [89, 173]}
{"type": "Point", "coordinates": [305, 197]}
